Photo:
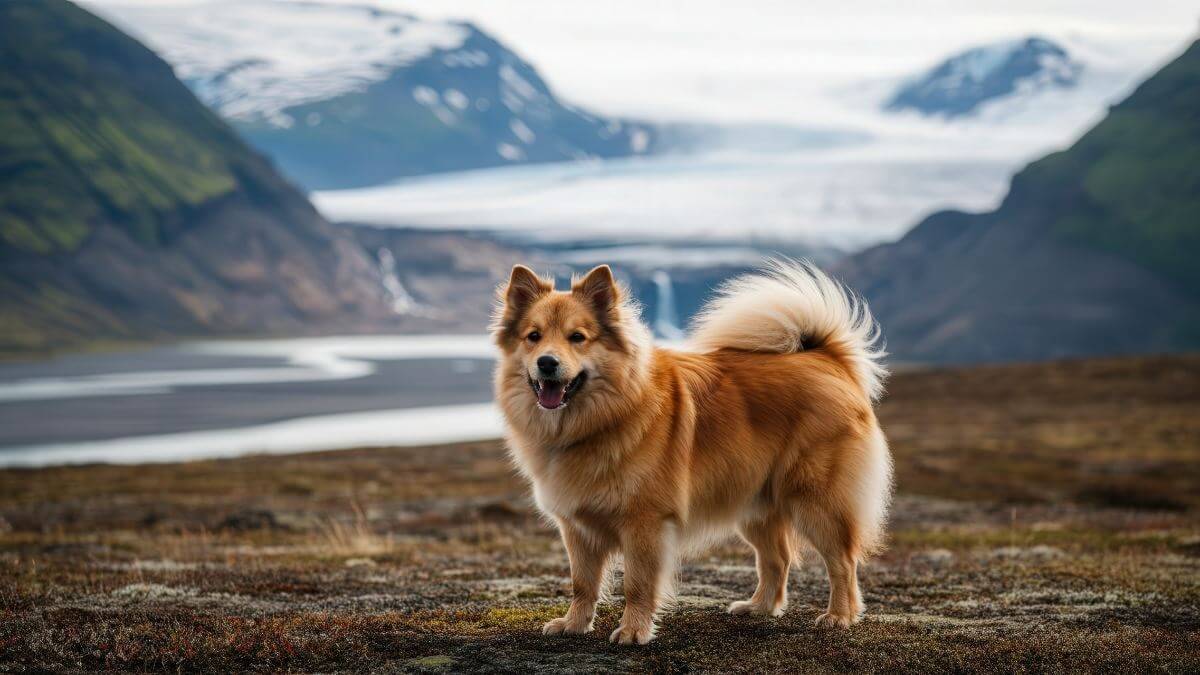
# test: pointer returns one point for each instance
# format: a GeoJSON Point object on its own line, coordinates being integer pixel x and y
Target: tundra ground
{"type": "Point", "coordinates": [1047, 518]}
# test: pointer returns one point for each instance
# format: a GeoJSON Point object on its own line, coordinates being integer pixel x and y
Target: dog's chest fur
{"type": "Point", "coordinates": [583, 479]}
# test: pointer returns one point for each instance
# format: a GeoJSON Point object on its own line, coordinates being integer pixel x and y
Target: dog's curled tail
{"type": "Point", "coordinates": [790, 307]}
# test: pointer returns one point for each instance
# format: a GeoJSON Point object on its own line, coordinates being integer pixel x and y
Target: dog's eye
{"type": "Point", "coordinates": [534, 336]}
{"type": "Point", "coordinates": [577, 337]}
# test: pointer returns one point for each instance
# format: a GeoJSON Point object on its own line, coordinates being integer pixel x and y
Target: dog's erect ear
{"type": "Point", "coordinates": [524, 287]}
{"type": "Point", "coordinates": [598, 289]}
{"type": "Point", "coordinates": [514, 299]}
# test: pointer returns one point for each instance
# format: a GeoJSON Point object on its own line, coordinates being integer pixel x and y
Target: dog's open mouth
{"type": "Point", "coordinates": [553, 394]}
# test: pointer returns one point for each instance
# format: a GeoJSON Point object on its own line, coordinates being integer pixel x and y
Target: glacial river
{"type": "Point", "coordinates": [227, 398]}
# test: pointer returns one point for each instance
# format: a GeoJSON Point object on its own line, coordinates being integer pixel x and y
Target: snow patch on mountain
{"type": "Point", "coordinates": [344, 94]}
{"type": "Point", "coordinates": [963, 83]}
{"type": "Point", "coordinates": [252, 59]}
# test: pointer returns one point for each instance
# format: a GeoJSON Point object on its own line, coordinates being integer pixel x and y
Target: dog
{"type": "Point", "coordinates": [762, 424]}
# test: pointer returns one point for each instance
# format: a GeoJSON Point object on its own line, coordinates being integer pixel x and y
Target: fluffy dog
{"type": "Point", "coordinates": [762, 425]}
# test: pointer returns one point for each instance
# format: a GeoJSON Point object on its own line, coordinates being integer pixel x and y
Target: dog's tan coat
{"type": "Point", "coordinates": [662, 450]}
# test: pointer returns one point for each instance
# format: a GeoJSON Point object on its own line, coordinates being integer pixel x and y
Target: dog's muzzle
{"type": "Point", "coordinates": [553, 394]}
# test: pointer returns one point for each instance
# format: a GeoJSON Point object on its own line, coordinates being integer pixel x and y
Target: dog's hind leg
{"type": "Point", "coordinates": [773, 555]}
{"type": "Point", "coordinates": [845, 522]}
{"type": "Point", "coordinates": [833, 536]}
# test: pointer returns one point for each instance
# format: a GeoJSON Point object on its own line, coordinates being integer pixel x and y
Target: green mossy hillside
{"type": "Point", "coordinates": [94, 128]}
{"type": "Point", "coordinates": [1131, 185]}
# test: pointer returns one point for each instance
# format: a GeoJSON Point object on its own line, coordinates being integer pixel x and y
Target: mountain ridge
{"type": "Point", "coordinates": [1089, 253]}
{"type": "Point", "coordinates": [964, 82]}
{"type": "Point", "coordinates": [423, 96]}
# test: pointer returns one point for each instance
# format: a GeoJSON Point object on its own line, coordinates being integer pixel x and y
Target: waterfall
{"type": "Point", "coordinates": [402, 302]}
{"type": "Point", "coordinates": [666, 317]}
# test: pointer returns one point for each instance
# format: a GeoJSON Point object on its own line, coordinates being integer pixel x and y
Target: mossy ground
{"type": "Point", "coordinates": [1046, 519]}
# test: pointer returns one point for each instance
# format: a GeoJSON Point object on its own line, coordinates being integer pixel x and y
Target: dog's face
{"type": "Point", "coordinates": [560, 339]}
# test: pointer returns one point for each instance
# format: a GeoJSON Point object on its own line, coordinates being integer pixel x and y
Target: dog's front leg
{"type": "Point", "coordinates": [645, 549]}
{"type": "Point", "coordinates": [588, 553]}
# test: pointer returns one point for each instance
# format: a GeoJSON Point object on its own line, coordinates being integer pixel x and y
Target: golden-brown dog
{"type": "Point", "coordinates": [764, 425]}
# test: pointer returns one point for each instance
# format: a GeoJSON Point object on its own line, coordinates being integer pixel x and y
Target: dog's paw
{"type": "Point", "coordinates": [561, 626]}
{"type": "Point", "coordinates": [749, 607]}
{"type": "Point", "coordinates": [831, 620]}
{"type": "Point", "coordinates": [628, 635]}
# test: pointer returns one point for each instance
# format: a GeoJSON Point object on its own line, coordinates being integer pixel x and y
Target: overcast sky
{"type": "Point", "coordinates": [763, 58]}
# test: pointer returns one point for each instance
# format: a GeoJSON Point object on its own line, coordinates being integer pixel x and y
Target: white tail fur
{"type": "Point", "coordinates": [789, 307]}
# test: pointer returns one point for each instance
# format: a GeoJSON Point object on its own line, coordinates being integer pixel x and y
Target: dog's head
{"type": "Point", "coordinates": [563, 343]}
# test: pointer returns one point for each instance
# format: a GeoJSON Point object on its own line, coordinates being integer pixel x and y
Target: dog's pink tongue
{"type": "Point", "coordinates": [551, 394]}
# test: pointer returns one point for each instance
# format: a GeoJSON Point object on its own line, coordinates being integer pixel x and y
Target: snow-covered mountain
{"type": "Point", "coordinates": [352, 95]}
{"type": "Point", "coordinates": [962, 83]}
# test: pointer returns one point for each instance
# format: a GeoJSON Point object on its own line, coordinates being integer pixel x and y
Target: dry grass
{"type": "Point", "coordinates": [354, 538]}
{"type": "Point", "coordinates": [1048, 519]}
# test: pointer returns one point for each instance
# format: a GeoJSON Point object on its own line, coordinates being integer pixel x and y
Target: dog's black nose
{"type": "Point", "coordinates": [547, 364]}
